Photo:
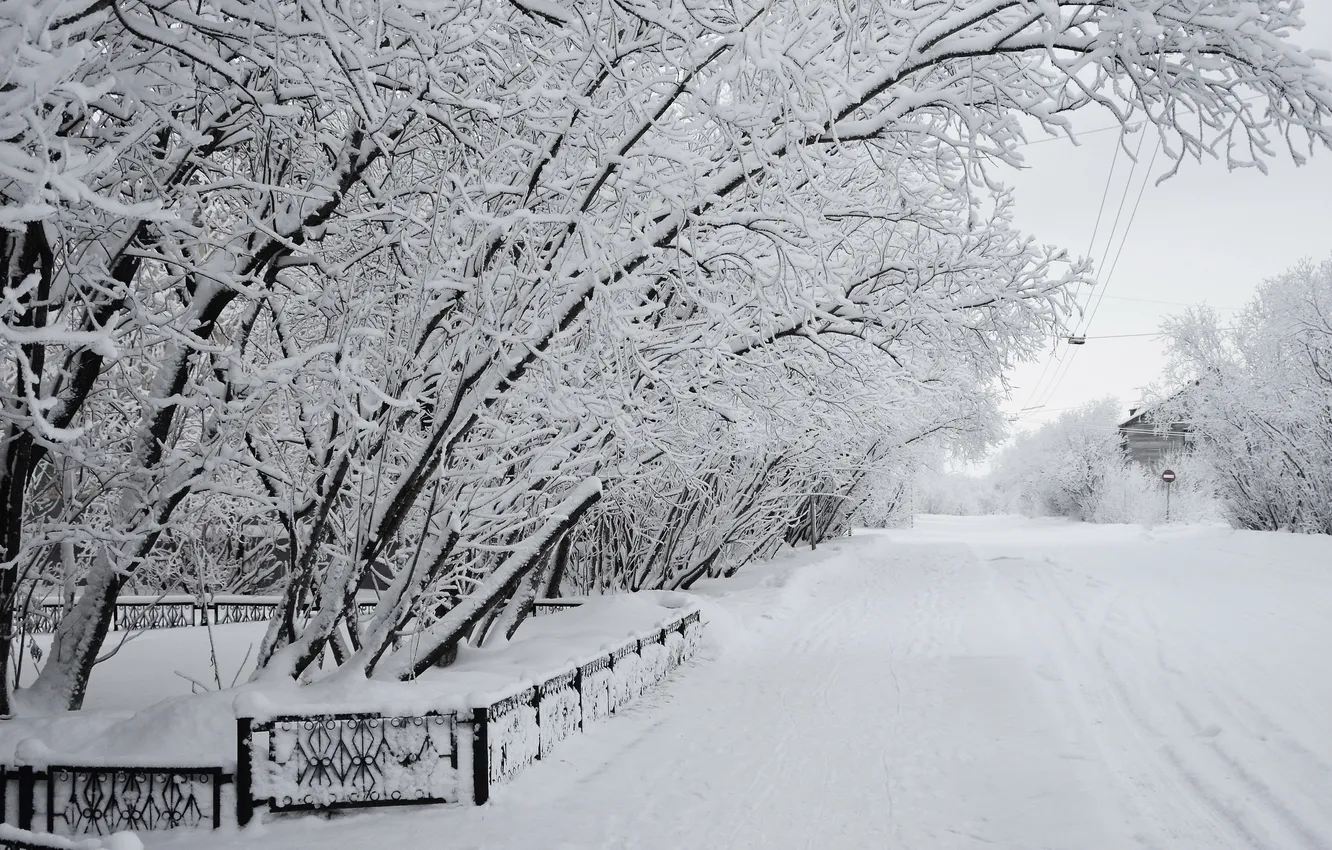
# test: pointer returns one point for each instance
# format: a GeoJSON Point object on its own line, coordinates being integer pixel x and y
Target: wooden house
{"type": "Point", "coordinates": [1149, 442]}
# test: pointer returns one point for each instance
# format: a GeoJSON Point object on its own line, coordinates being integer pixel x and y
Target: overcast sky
{"type": "Point", "coordinates": [1207, 235]}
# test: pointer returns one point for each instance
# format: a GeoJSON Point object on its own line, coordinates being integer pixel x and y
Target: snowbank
{"type": "Point", "coordinates": [24, 838]}
{"type": "Point", "coordinates": [201, 729]}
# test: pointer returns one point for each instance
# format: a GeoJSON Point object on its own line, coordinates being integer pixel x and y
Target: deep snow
{"type": "Point", "coordinates": [969, 683]}
{"type": "Point", "coordinates": [140, 712]}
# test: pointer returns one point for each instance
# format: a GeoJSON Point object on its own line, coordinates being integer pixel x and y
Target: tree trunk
{"type": "Point", "coordinates": [444, 635]}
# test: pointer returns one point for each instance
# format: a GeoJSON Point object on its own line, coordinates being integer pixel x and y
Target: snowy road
{"type": "Point", "coordinates": [968, 684]}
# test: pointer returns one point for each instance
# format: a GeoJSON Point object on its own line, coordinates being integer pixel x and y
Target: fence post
{"type": "Point", "coordinates": [578, 686]}
{"type": "Point", "coordinates": [480, 756]}
{"type": "Point", "coordinates": [26, 808]}
{"type": "Point", "coordinates": [536, 711]}
{"type": "Point", "coordinates": [244, 770]}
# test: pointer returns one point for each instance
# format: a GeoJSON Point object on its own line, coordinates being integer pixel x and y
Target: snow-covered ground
{"type": "Point", "coordinates": [140, 710]}
{"type": "Point", "coordinates": [969, 683]}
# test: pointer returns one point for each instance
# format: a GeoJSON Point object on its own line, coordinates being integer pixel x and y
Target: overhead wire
{"type": "Point", "coordinates": [1079, 133]}
{"type": "Point", "coordinates": [1038, 396]}
{"type": "Point", "coordinates": [1064, 357]}
{"type": "Point", "coordinates": [1128, 226]}
{"type": "Point", "coordinates": [1059, 353]}
{"type": "Point", "coordinates": [1086, 320]}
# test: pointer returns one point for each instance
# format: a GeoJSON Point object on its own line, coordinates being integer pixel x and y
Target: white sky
{"type": "Point", "coordinates": [1205, 236]}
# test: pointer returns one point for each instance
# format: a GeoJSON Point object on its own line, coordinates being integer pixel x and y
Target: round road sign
{"type": "Point", "coordinates": [1168, 476]}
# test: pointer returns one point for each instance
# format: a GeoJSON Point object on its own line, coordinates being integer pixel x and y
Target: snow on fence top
{"type": "Point", "coordinates": [178, 610]}
{"type": "Point", "coordinates": [200, 729]}
{"type": "Point", "coordinates": [544, 648]}
{"type": "Point", "coordinates": [303, 755]}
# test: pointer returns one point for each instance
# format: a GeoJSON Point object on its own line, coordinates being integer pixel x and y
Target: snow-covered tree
{"type": "Point", "coordinates": [405, 284]}
{"type": "Point", "coordinates": [1257, 393]}
{"type": "Point", "coordinates": [1059, 468]}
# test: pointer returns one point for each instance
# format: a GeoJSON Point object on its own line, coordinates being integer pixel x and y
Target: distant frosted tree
{"type": "Point", "coordinates": [1059, 468]}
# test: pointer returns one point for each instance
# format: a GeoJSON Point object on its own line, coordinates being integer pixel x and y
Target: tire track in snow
{"type": "Point", "coordinates": [1181, 757]}
{"type": "Point", "coordinates": [1205, 744]}
{"type": "Point", "coordinates": [1122, 737]}
{"type": "Point", "coordinates": [899, 695]}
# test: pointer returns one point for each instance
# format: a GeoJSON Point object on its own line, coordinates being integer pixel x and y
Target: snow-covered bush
{"type": "Point", "coordinates": [1058, 469]}
{"type": "Point", "coordinates": [1076, 466]}
{"type": "Point", "coordinates": [1132, 493]}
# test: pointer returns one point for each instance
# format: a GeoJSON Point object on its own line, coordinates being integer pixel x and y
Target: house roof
{"type": "Point", "coordinates": [1139, 416]}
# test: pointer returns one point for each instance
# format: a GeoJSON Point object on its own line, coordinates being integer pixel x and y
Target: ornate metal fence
{"type": "Point", "coordinates": [327, 761]}
{"type": "Point", "coordinates": [138, 616]}
{"type": "Point", "coordinates": [349, 760]}
{"type": "Point", "coordinates": [73, 801]}
{"type": "Point", "coordinates": [523, 727]}
{"type": "Point", "coordinates": [290, 763]}
{"type": "Point", "coordinates": [136, 613]}
{"type": "Point", "coordinates": [243, 609]}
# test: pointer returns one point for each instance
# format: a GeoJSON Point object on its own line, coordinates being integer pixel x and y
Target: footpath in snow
{"type": "Point", "coordinates": [969, 683]}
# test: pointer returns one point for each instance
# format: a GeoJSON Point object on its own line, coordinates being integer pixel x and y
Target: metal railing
{"type": "Point", "coordinates": [71, 800]}
{"type": "Point", "coordinates": [304, 762]}
{"type": "Point", "coordinates": [174, 611]}
{"type": "Point", "coordinates": [301, 762]}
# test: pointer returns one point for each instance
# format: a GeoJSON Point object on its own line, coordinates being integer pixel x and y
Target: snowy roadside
{"type": "Point", "coordinates": [743, 615]}
{"type": "Point", "coordinates": [965, 684]}
{"type": "Point", "coordinates": [200, 729]}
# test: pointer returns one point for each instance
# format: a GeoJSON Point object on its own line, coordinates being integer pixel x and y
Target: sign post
{"type": "Point", "coordinates": [1169, 478]}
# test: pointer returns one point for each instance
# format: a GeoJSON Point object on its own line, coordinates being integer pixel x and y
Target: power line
{"type": "Point", "coordinates": [1058, 355]}
{"type": "Point", "coordinates": [1120, 336]}
{"type": "Point", "coordinates": [1126, 336]}
{"type": "Point", "coordinates": [1127, 227]}
{"type": "Point", "coordinates": [1064, 359]}
{"type": "Point", "coordinates": [1066, 138]}
{"type": "Point", "coordinates": [1077, 133]}
{"type": "Point", "coordinates": [1085, 320]}
{"type": "Point", "coordinates": [1123, 239]}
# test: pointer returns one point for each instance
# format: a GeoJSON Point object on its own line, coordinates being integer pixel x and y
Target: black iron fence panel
{"type": "Point", "coordinates": [105, 800]}
{"type": "Point", "coordinates": [559, 710]}
{"type": "Point", "coordinates": [626, 677]}
{"type": "Point", "coordinates": [242, 612]}
{"type": "Point", "coordinates": [675, 648]}
{"type": "Point", "coordinates": [692, 631]}
{"type": "Point", "coordinates": [133, 617]}
{"type": "Point", "coordinates": [40, 620]}
{"type": "Point", "coordinates": [513, 734]}
{"type": "Point", "coordinates": [655, 663]}
{"type": "Point", "coordinates": [350, 760]}
{"type": "Point", "coordinates": [596, 690]}
{"type": "Point", "coordinates": [138, 613]}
